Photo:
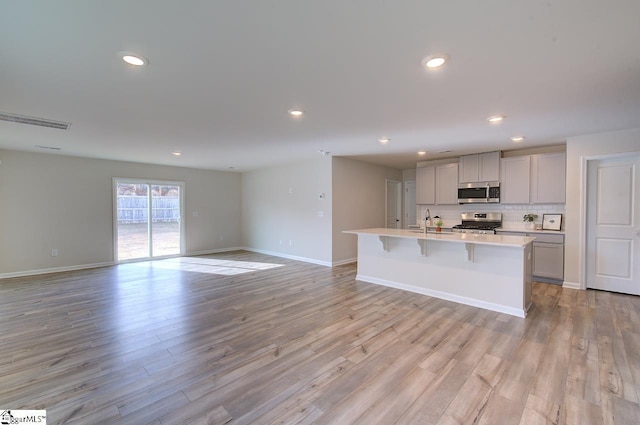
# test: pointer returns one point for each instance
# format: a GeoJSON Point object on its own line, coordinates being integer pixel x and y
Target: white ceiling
{"type": "Point", "coordinates": [223, 74]}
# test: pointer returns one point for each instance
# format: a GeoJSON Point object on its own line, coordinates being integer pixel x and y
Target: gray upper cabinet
{"type": "Point", "coordinates": [437, 184]}
{"type": "Point", "coordinates": [548, 178]}
{"type": "Point", "coordinates": [426, 185]}
{"type": "Point", "coordinates": [515, 180]}
{"type": "Point", "coordinates": [447, 184]}
{"type": "Point", "coordinates": [480, 167]}
{"type": "Point", "coordinates": [468, 169]}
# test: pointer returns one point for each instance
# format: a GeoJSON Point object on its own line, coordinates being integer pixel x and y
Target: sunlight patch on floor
{"type": "Point", "coordinates": [210, 265]}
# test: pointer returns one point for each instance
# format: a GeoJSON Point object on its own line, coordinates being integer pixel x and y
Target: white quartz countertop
{"type": "Point", "coordinates": [474, 238]}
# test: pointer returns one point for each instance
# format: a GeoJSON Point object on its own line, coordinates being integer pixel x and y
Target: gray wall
{"type": "Point", "coordinates": [37, 189]}
{"type": "Point", "coordinates": [282, 204]}
{"type": "Point", "coordinates": [283, 213]}
{"type": "Point", "coordinates": [54, 201]}
{"type": "Point", "coordinates": [358, 202]}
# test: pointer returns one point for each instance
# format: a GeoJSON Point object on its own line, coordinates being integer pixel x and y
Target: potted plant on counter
{"type": "Point", "coordinates": [438, 225]}
{"type": "Point", "coordinates": [531, 219]}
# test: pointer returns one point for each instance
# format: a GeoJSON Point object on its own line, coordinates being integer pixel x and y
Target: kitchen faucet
{"type": "Point", "coordinates": [427, 220]}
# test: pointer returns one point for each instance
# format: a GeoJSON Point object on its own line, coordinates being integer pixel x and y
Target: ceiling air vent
{"type": "Point", "coordinates": [53, 148]}
{"type": "Point", "coordinates": [34, 121]}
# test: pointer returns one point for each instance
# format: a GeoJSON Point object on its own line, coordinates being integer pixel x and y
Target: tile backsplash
{"type": "Point", "coordinates": [511, 213]}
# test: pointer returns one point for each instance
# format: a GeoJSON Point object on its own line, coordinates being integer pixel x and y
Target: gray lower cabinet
{"type": "Point", "coordinates": [548, 260]}
{"type": "Point", "coordinates": [548, 254]}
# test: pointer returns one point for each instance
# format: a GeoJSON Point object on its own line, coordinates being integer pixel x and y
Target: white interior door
{"type": "Point", "coordinates": [394, 204]}
{"type": "Point", "coordinates": [410, 204]}
{"type": "Point", "coordinates": [613, 225]}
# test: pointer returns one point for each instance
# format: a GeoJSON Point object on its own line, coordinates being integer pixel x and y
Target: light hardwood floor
{"type": "Point", "coordinates": [246, 338]}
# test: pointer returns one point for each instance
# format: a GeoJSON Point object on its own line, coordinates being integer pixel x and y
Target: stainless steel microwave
{"type": "Point", "coordinates": [479, 193]}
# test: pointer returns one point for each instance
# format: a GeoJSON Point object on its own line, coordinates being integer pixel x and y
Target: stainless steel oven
{"type": "Point", "coordinates": [479, 193]}
{"type": "Point", "coordinates": [478, 222]}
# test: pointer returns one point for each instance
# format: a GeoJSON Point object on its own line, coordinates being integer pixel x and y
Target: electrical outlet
{"type": "Point", "coordinates": [290, 242]}
{"type": "Point", "coordinates": [54, 252]}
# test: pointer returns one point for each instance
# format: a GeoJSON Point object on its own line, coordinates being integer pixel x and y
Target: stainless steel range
{"type": "Point", "coordinates": [484, 223]}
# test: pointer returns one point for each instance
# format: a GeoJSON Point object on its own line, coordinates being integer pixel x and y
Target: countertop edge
{"type": "Point", "coordinates": [472, 238]}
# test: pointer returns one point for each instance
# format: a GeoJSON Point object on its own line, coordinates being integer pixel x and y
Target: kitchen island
{"type": "Point", "coordinates": [487, 271]}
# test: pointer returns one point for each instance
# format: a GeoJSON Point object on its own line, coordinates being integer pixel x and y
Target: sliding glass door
{"type": "Point", "coordinates": [165, 223]}
{"type": "Point", "coordinates": [148, 219]}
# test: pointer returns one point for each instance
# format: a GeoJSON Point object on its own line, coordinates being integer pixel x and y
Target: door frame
{"type": "Point", "coordinates": [406, 208]}
{"type": "Point", "coordinates": [398, 184]}
{"type": "Point", "coordinates": [584, 193]}
{"type": "Point", "coordinates": [183, 239]}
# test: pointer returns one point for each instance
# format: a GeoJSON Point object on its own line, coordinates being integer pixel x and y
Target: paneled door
{"type": "Point", "coordinates": [147, 219]}
{"type": "Point", "coordinates": [410, 214]}
{"type": "Point", "coordinates": [613, 225]}
{"type": "Point", "coordinates": [394, 204]}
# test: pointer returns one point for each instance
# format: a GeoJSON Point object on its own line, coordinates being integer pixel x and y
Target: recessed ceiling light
{"type": "Point", "coordinates": [133, 59]}
{"type": "Point", "coordinates": [517, 139]}
{"type": "Point", "coordinates": [176, 153]}
{"type": "Point", "coordinates": [495, 119]}
{"type": "Point", "coordinates": [434, 61]}
{"type": "Point", "coordinates": [422, 152]}
{"type": "Point", "coordinates": [296, 113]}
{"type": "Point", "coordinates": [384, 140]}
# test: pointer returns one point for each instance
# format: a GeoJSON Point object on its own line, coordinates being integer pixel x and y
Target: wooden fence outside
{"type": "Point", "coordinates": [135, 209]}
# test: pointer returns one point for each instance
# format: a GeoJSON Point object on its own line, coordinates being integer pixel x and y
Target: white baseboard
{"type": "Point", "coordinates": [343, 262]}
{"type": "Point", "coordinates": [445, 296]}
{"type": "Point", "coordinates": [571, 285]}
{"type": "Point", "coordinates": [54, 270]}
{"type": "Point", "coordinates": [190, 254]}
{"type": "Point", "coordinates": [290, 257]}
{"type": "Point", "coordinates": [214, 251]}
{"type": "Point", "coordinates": [277, 254]}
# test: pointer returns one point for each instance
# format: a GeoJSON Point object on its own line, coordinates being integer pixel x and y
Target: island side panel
{"type": "Point", "coordinates": [528, 275]}
{"type": "Point", "coordinates": [494, 280]}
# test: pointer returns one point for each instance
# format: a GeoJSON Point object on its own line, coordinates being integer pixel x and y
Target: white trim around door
{"type": "Point", "coordinates": [149, 182]}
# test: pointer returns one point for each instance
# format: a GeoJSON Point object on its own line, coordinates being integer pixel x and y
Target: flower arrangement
{"type": "Point", "coordinates": [530, 217]}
